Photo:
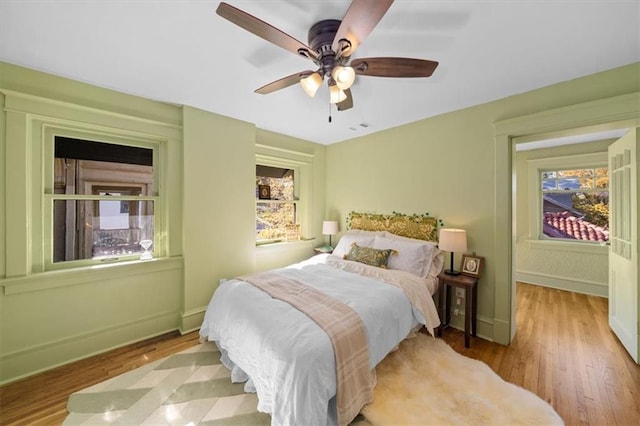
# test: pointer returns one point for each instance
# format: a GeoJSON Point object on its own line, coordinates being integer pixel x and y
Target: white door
{"type": "Point", "coordinates": [624, 297]}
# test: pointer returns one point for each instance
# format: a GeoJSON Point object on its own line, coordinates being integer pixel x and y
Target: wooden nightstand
{"type": "Point", "coordinates": [470, 304]}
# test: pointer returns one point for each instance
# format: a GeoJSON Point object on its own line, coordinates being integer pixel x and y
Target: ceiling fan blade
{"type": "Point", "coordinates": [360, 19]}
{"type": "Point", "coordinates": [264, 30]}
{"type": "Point", "coordinates": [347, 103]}
{"type": "Point", "coordinates": [282, 83]}
{"type": "Point", "coordinates": [394, 67]}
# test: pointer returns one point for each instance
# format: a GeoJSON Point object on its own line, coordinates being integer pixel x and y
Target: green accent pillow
{"type": "Point", "coordinates": [369, 256]}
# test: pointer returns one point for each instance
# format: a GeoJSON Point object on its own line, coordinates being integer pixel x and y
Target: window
{"type": "Point", "coordinates": [103, 201]}
{"type": "Point", "coordinates": [575, 204]}
{"type": "Point", "coordinates": [276, 204]}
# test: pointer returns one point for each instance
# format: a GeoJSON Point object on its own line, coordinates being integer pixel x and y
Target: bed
{"type": "Point", "coordinates": [302, 373]}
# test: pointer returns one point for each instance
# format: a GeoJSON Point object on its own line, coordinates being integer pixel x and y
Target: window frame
{"type": "Point", "coordinates": [49, 196]}
{"type": "Point", "coordinates": [535, 169]}
{"type": "Point", "coordinates": [300, 190]}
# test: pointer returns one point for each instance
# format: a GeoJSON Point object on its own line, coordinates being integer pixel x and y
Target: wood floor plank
{"type": "Point", "coordinates": [582, 369]}
{"type": "Point", "coordinates": [563, 351]}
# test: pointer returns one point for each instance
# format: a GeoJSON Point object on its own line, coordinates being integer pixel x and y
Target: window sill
{"type": "Point", "coordinates": [568, 246]}
{"type": "Point", "coordinates": [284, 245]}
{"type": "Point", "coordinates": [61, 278]}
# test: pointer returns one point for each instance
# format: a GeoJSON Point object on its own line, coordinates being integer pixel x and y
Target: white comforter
{"type": "Point", "coordinates": [285, 356]}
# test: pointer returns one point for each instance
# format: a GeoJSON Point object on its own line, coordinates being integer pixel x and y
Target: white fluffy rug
{"type": "Point", "coordinates": [426, 382]}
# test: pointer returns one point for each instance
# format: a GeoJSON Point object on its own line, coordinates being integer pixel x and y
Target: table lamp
{"type": "Point", "coordinates": [452, 240]}
{"type": "Point", "coordinates": [330, 227]}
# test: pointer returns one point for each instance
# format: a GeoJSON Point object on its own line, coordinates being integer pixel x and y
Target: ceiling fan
{"type": "Point", "coordinates": [330, 45]}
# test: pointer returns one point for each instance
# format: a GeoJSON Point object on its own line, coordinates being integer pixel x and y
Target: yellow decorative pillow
{"type": "Point", "coordinates": [422, 227]}
{"type": "Point", "coordinates": [369, 256]}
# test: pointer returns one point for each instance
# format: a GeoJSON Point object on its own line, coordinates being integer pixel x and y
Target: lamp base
{"type": "Point", "coordinates": [451, 271]}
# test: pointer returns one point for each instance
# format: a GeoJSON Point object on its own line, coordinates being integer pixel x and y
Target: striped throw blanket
{"type": "Point", "coordinates": [345, 329]}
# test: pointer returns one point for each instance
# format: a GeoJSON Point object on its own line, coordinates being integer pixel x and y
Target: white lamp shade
{"type": "Point", "coordinates": [453, 240]}
{"type": "Point", "coordinates": [311, 83]}
{"type": "Point", "coordinates": [336, 95]}
{"type": "Point", "coordinates": [329, 227]}
{"type": "Point", "coordinates": [344, 77]}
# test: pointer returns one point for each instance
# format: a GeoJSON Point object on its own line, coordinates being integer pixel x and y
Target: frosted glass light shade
{"type": "Point", "coordinates": [329, 227]}
{"type": "Point", "coordinates": [344, 77]}
{"type": "Point", "coordinates": [311, 84]}
{"type": "Point", "coordinates": [336, 95]}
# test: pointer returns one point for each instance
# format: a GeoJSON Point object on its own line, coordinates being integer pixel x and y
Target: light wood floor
{"type": "Point", "coordinates": [564, 352]}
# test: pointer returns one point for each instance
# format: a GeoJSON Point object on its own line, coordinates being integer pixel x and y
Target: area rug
{"type": "Point", "coordinates": [190, 387]}
{"type": "Point", "coordinates": [424, 382]}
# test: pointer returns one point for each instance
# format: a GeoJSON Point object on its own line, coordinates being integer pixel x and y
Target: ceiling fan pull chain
{"type": "Point", "coordinates": [329, 112]}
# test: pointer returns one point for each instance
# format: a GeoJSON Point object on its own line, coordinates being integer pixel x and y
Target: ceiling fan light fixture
{"type": "Point", "coordinates": [336, 95]}
{"type": "Point", "coordinates": [311, 83]}
{"type": "Point", "coordinates": [344, 76]}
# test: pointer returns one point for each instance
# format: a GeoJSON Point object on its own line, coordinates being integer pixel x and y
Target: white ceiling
{"type": "Point", "coordinates": [183, 52]}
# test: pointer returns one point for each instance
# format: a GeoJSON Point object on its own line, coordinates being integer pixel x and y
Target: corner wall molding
{"type": "Point", "coordinates": [11, 105]}
{"type": "Point", "coordinates": [191, 320]}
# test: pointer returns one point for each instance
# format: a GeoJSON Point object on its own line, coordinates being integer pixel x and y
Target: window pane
{"type": "Point", "coordinates": [281, 182]}
{"type": "Point", "coordinates": [581, 210]}
{"type": "Point", "coordinates": [576, 216]}
{"type": "Point", "coordinates": [567, 184]}
{"type": "Point", "coordinates": [109, 227]}
{"type": "Point", "coordinates": [276, 221]}
{"type": "Point", "coordinates": [549, 184]}
{"type": "Point", "coordinates": [602, 178]}
{"type": "Point", "coordinates": [100, 228]}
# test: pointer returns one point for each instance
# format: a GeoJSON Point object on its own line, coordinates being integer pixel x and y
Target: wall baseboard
{"type": "Point", "coordinates": [192, 320]}
{"type": "Point", "coordinates": [484, 325]}
{"type": "Point", "coordinates": [38, 358]}
{"type": "Point", "coordinates": [562, 283]}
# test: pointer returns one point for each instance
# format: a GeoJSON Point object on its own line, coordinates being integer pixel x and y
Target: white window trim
{"type": "Point", "coordinates": [535, 167]}
{"type": "Point", "coordinates": [27, 117]}
{"type": "Point", "coordinates": [301, 164]}
{"type": "Point", "coordinates": [48, 196]}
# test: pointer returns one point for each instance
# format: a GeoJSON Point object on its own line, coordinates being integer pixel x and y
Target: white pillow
{"type": "Point", "coordinates": [411, 255]}
{"type": "Point", "coordinates": [434, 251]}
{"type": "Point", "coordinates": [362, 238]}
{"type": "Point", "coordinates": [438, 263]}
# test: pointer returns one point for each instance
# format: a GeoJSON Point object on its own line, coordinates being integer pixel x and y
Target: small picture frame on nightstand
{"type": "Point", "coordinates": [472, 265]}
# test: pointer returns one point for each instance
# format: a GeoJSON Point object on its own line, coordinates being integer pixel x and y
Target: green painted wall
{"type": "Point", "coordinates": [447, 166]}
{"type": "Point", "coordinates": [49, 318]}
{"type": "Point", "coordinates": [219, 182]}
{"type": "Point", "coordinates": [444, 165]}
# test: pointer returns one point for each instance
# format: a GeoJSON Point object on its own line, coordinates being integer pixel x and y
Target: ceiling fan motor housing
{"type": "Point", "coordinates": [320, 37]}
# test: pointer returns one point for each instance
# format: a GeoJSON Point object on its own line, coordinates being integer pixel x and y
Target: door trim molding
{"type": "Point", "coordinates": [605, 114]}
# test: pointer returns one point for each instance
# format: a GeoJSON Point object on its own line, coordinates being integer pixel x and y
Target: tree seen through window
{"type": "Point", "coordinates": [276, 217]}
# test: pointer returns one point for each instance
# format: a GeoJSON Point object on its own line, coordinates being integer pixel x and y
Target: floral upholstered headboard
{"type": "Point", "coordinates": [422, 227]}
